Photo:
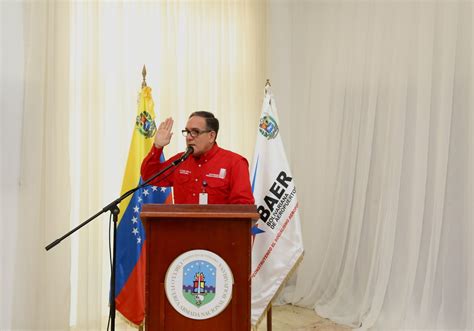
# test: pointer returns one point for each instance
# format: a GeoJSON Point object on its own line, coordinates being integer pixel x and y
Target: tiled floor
{"type": "Point", "coordinates": [286, 318]}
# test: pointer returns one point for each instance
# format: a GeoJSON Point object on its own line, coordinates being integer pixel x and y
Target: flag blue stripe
{"type": "Point", "coordinates": [255, 174]}
{"type": "Point", "coordinates": [256, 230]}
{"type": "Point", "coordinates": [130, 230]}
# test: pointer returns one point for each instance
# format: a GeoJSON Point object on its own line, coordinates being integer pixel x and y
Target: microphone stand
{"type": "Point", "coordinates": [114, 209]}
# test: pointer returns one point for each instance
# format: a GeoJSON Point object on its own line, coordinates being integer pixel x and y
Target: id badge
{"type": "Point", "coordinates": [203, 198]}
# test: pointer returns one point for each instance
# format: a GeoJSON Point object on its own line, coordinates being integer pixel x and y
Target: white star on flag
{"type": "Point", "coordinates": [134, 220]}
{"type": "Point", "coordinates": [154, 188]}
{"type": "Point", "coordinates": [140, 199]}
{"type": "Point", "coordinates": [139, 240]}
{"type": "Point", "coordinates": [135, 231]}
{"type": "Point", "coordinates": [163, 189]}
{"type": "Point", "coordinates": [136, 209]}
{"type": "Point", "coordinates": [145, 192]}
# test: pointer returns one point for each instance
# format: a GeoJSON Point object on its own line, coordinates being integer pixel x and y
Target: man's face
{"type": "Point", "coordinates": [204, 140]}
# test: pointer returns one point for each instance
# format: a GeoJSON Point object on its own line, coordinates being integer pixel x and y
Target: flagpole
{"type": "Point", "coordinates": [269, 310]}
{"type": "Point", "coordinates": [267, 86]}
{"type": "Point", "coordinates": [269, 317]}
{"type": "Point", "coordinates": [140, 327]}
{"type": "Point", "coordinates": [144, 76]}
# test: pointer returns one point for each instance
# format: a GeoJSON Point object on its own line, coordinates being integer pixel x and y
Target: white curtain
{"type": "Point", "coordinates": [35, 284]}
{"type": "Point", "coordinates": [11, 97]}
{"type": "Point", "coordinates": [76, 112]}
{"type": "Point", "coordinates": [376, 100]}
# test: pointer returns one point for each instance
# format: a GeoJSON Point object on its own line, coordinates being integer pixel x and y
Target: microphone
{"type": "Point", "coordinates": [189, 151]}
{"type": "Point", "coordinates": [183, 157]}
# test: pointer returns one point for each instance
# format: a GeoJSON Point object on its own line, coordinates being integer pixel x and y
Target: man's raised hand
{"type": "Point", "coordinates": [163, 134]}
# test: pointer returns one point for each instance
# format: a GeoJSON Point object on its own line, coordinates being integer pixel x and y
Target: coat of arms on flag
{"type": "Point", "coordinates": [277, 246]}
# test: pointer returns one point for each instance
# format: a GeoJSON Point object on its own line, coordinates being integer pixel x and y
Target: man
{"type": "Point", "coordinates": [211, 175]}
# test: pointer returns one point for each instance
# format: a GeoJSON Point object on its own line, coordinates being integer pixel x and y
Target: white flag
{"type": "Point", "coordinates": [277, 250]}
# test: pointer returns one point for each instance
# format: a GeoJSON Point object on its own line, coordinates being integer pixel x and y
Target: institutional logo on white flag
{"type": "Point", "coordinates": [278, 249]}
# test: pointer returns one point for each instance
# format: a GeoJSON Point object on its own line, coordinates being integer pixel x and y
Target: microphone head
{"type": "Point", "coordinates": [189, 150]}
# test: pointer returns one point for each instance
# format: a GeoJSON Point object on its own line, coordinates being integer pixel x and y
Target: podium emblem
{"type": "Point", "coordinates": [198, 284]}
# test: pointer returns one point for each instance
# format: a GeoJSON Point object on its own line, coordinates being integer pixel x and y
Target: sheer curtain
{"type": "Point", "coordinates": [35, 294]}
{"type": "Point", "coordinates": [382, 145]}
{"type": "Point", "coordinates": [77, 107]}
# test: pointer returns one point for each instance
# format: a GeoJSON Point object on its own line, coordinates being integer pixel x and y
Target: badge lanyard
{"type": "Point", "coordinates": [203, 194]}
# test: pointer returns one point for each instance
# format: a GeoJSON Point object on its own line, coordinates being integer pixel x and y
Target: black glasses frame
{"type": "Point", "coordinates": [194, 132]}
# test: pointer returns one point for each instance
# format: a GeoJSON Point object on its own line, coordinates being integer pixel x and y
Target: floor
{"type": "Point", "coordinates": [285, 318]}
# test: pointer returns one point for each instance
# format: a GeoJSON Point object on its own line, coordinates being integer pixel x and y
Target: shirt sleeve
{"type": "Point", "coordinates": [152, 164]}
{"type": "Point", "coordinates": [241, 192]}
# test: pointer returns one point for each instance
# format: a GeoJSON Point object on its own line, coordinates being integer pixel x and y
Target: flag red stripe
{"type": "Point", "coordinates": [131, 300]}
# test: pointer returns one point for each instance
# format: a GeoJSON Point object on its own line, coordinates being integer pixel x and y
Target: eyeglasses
{"type": "Point", "coordinates": [194, 132]}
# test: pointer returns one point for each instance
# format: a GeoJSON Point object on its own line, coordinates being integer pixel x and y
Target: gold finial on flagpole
{"type": "Point", "coordinates": [268, 86]}
{"type": "Point", "coordinates": [144, 76]}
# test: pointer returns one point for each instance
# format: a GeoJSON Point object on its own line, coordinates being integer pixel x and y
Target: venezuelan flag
{"type": "Point", "coordinates": [131, 252]}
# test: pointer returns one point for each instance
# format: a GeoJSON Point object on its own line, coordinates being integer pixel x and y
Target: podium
{"type": "Point", "coordinates": [173, 231]}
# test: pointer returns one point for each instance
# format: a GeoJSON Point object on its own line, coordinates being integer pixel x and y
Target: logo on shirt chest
{"type": "Point", "coordinates": [222, 173]}
{"type": "Point", "coordinates": [184, 172]}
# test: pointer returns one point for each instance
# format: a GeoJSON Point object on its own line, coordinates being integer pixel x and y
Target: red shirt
{"type": "Point", "coordinates": [222, 174]}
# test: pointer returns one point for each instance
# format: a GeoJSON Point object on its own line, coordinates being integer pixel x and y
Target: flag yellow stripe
{"type": "Point", "coordinates": [139, 148]}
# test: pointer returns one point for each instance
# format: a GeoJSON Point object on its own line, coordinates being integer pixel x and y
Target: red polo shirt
{"type": "Point", "coordinates": [222, 174]}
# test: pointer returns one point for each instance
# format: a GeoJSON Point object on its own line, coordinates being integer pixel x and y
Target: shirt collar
{"type": "Point", "coordinates": [210, 153]}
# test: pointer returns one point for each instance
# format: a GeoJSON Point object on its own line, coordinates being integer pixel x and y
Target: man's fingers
{"type": "Point", "coordinates": [168, 125]}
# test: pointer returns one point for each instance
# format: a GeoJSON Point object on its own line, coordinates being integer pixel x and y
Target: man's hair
{"type": "Point", "coordinates": [212, 123]}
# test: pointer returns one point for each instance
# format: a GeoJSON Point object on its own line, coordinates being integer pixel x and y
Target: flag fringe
{"type": "Point", "coordinates": [282, 285]}
{"type": "Point", "coordinates": [136, 326]}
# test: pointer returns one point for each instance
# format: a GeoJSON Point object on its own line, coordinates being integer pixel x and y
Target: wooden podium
{"type": "Point", "coordinates": [172, 230]}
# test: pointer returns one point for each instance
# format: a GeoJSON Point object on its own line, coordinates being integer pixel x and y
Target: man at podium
{"type": "Point", "coordinates": [212, 175]}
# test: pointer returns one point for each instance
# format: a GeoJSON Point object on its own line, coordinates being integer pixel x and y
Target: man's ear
{"type": "Point", "coordinates": [213, 135]}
